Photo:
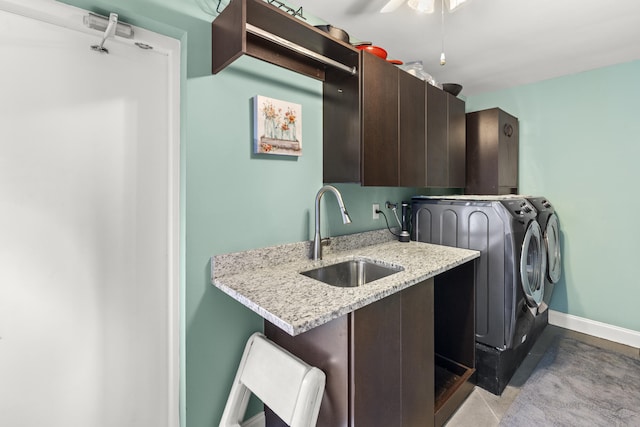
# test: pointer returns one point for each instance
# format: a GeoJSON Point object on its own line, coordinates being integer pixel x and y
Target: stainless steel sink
{"type": "Point", "coordinates": [351, 273]}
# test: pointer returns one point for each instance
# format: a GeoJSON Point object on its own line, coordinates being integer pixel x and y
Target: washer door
{"type": "Point", "coordinates": [533, 265]}
{"type": "Point", "coordinates": [552, 243]}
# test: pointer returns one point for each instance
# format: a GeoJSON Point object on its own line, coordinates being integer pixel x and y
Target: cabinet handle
{"type": "Point", "coordinates": [508, 130]}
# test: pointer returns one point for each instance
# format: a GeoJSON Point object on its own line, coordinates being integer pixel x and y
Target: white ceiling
{"type": "Point", "coordinates": [495, 44]}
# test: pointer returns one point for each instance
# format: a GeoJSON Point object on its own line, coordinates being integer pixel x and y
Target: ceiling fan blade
{"type": "Point", "coordinates": [391, 6]}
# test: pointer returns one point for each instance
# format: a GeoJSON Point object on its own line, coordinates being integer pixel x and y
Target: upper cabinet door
{"type": "Point", "coordinates": [432, 136]}
{"type": "Point", "coordinates": [412, 131]}
{"type": "Point", "coordinates": [457, 132]}
{"type": "Point", "coordinates": [379, 121]}
{"type": "Point", "coordinates": [437, 139]}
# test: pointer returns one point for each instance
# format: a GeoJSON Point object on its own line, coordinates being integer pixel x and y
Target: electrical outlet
{"type": "Point", "coordinates": [390, 205]}
{"type": "Point", "coordinates": [376, 208]}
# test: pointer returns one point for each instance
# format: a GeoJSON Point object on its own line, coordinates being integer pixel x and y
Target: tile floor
{"type": "Point", "coordinates": [484, 409]}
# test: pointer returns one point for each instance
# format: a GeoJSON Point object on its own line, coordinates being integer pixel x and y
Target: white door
{"type": "Point", "coordinates": [89, 264]}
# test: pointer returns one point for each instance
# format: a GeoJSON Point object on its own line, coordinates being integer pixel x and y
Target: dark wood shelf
{"type": "Point", "coordinates": [453, 382]}
{"type": "Point", "coordinates": [232, 37]}
{"type": "Point", "coordinates": [454, 327]}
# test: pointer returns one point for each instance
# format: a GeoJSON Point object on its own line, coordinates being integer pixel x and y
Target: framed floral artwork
{"type": "Point", "coordinates": [277, 127]}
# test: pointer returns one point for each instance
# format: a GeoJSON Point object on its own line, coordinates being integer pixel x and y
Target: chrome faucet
{"type": "Point", "coordinates": [317, 241]}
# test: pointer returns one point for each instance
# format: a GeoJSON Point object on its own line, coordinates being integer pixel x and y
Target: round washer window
{"type": "Point", "coordinates": [533, 265]}
{"type": "Point", "coordinates": [552, 242]}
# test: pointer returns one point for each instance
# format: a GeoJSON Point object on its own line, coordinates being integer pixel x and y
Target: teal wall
{"type": "Point", "coordinates": [234, 200]}
{"type": "Point", "coordinates": [579, 146]}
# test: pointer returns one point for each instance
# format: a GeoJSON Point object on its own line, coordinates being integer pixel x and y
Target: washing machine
{"type": "Point", "coordinates": [550, 226]}
{"type": "Point", "coordinates": [509, 272]}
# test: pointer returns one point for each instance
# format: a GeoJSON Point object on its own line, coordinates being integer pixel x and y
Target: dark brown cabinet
{"type": "Point", "coordinates": [263, 31]}
{"type": "Point", "coordinates": [379, 121]}
{"type": "Point", "coordinates": [378, 361]}
{"type": "Point", "coordinates": [341, 148]}
{"type": "Point", "coordinates": [446, 131]}
{"type": "Point", "coordinates": [405, 360]}
{"type": "Point", "coordinates": [361, 125]}
{"type": "Point", "coordinates": [457, 142]}
{"type": "Point", "coordinates": [454, 339]}
{"type": "Point", "coordinates": [492, 152]}
{"type": "Point", "coordinates": [431, 135]}
{"type": "Point", "coordinates": [410, 133]}
{"type": "Point", "coordinates": [392, 360]}
{"type": "Point", "coordinates": [437, 135]}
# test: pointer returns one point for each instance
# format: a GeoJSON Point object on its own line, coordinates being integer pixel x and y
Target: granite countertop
{"type": "Point", "coordinates": [268, 281]}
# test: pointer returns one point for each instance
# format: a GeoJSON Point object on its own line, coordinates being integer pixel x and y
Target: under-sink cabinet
{"type": "Point", "coordinates": [397, 351]}
{"type": "Point", "coordinates": [405, 360]}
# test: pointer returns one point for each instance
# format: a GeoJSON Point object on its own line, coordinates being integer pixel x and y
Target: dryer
{"type": "Point", "coordinates": [550, 226]}
{"type": "Point", "coordinates": [509, 271]}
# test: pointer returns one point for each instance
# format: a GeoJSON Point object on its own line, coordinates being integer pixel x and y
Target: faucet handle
{"type": "Point", "coordinates": [326, 241]}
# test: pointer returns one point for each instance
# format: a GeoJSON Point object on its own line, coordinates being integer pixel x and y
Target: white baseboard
{"type": "Point", "coordinates": [597, 329]}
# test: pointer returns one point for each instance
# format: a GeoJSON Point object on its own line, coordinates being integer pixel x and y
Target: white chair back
{"type": "Point", "coordinates": [287, 385]}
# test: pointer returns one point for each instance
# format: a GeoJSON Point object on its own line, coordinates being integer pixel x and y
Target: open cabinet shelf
{"type": "Point", "coordinates": [454, 335]}
{"type": "Point", "coordinates": [263, 31]}
{"type": "Point", "coordinates": [453, 382]}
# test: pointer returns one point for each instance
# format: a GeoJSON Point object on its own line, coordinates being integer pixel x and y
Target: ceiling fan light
{"type": "Point", "coordinates": [454, 4]}
{"type": "Point", "coordinates": [422, 6]}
